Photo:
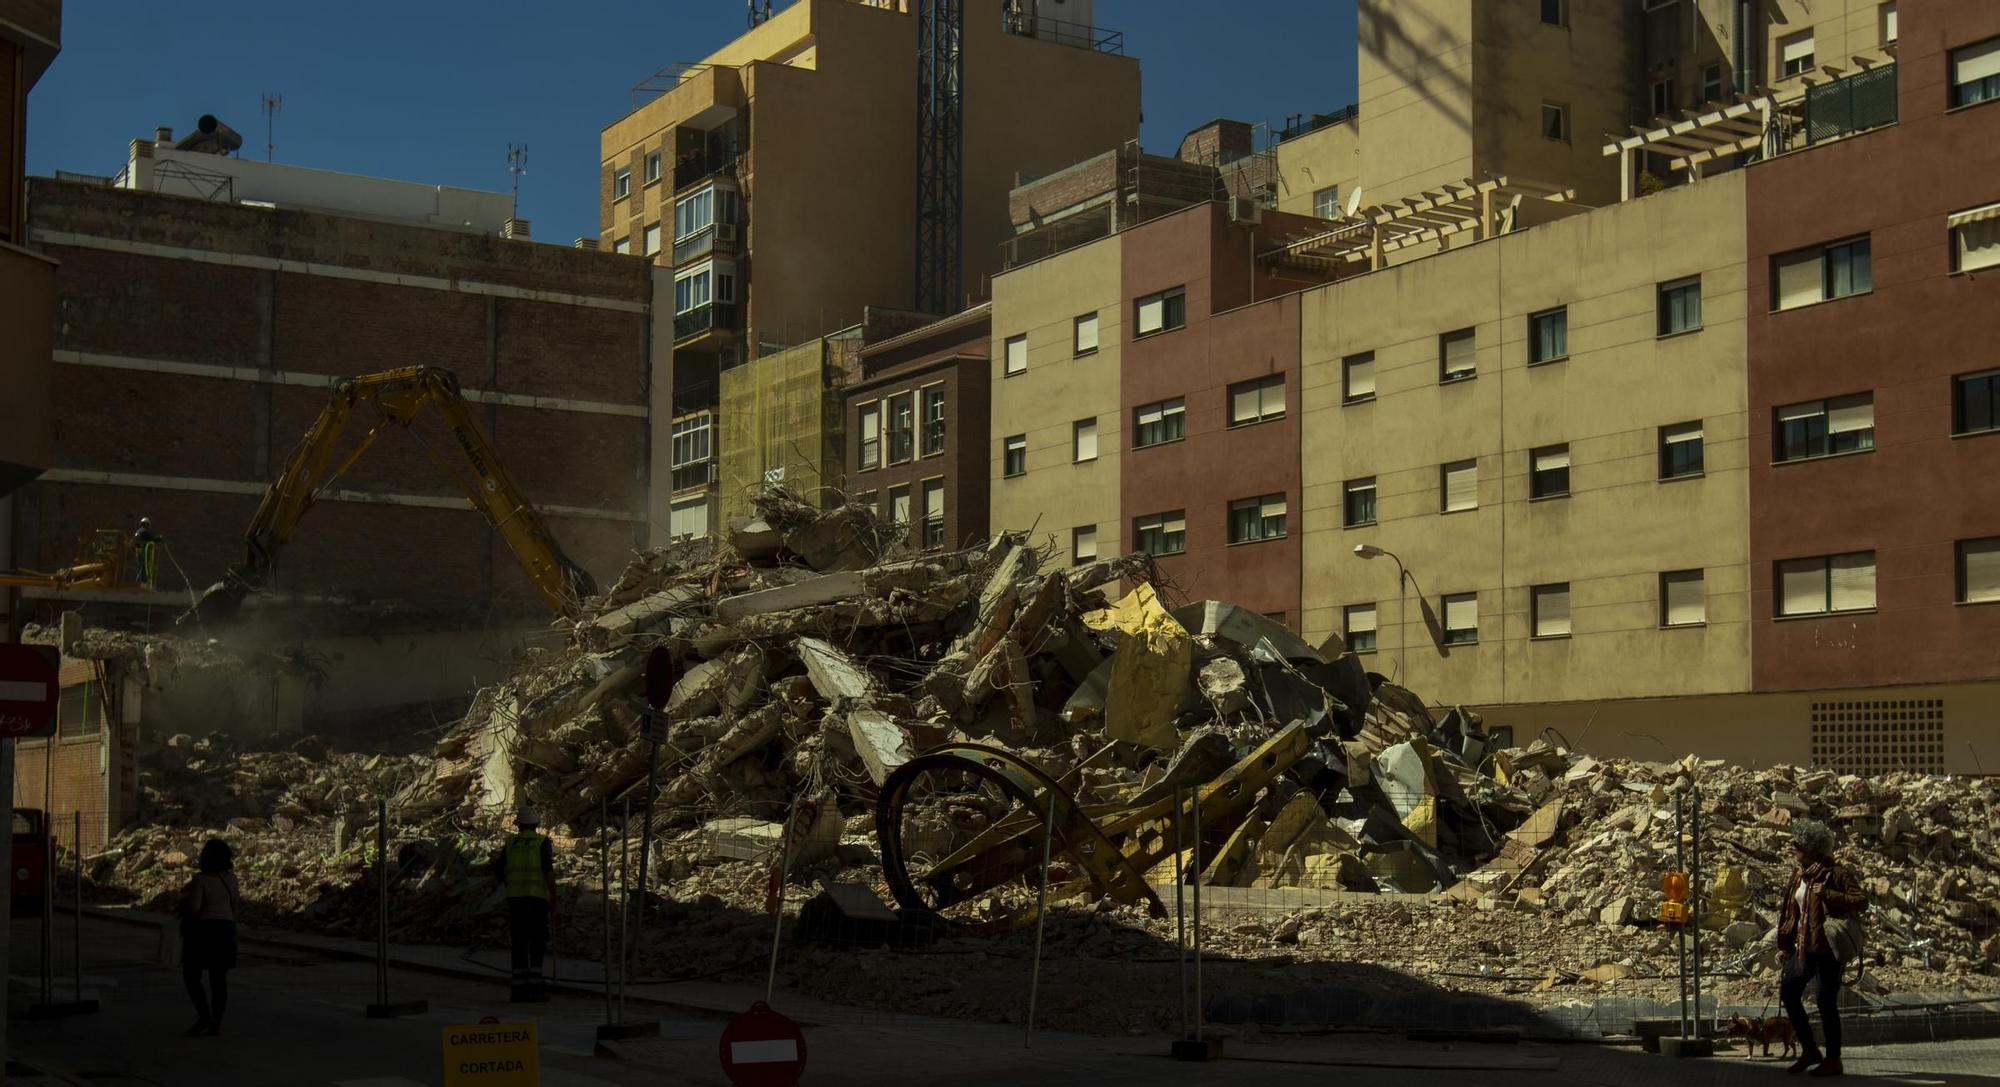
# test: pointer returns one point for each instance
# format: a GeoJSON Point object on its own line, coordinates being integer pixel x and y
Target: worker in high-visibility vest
{"type": "Point", "coordinates": [527, 864]}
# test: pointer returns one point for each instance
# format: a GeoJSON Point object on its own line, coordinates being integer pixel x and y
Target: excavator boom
{"type": "Point", "coordinates": [400, 396]}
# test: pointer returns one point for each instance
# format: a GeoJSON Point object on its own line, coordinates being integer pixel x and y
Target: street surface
{"type": "Point", "coordinates": [295, 1020]}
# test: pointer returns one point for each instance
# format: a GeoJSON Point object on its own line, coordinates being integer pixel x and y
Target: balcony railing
{"type": "Point", "coordinates": [698, 474]}
{"type": "Point", "coordinates": [1297, 126]}
{"type": "Point", "coordinates": [1860, 101]}
{"type": "Point", "coordinates": [715, 238]}
{"type": "Point", "coordinates": [715, 159]}
{"type": "Point", "coordinates": [1078, 35]}
{"type": "Point", "coordinates": [704, 318]}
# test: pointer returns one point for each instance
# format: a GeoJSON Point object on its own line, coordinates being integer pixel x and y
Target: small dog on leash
{"type": "Point", "coordinates": [1763, 1031]}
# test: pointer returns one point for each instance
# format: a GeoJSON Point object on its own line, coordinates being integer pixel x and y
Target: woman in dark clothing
{"type": "Point", "coordinates": [208, 935]}
{"type": "Point", "coordinates": [1819, 889]}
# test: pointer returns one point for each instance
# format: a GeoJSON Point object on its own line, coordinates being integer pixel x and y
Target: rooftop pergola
{"type": "Point", "coordinates": [1371, 234]}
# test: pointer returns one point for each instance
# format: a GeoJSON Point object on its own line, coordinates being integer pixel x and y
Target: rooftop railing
{"type": "Point", "coordinates": [1077, 35]}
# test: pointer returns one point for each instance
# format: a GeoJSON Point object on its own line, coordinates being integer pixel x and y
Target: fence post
{"type": "Point", "coordinates": [1041, 917]}
{"type": "Point", "coordinates": [384, 1008]}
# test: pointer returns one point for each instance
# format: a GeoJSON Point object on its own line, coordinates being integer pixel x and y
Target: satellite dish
{"type": "Point", "coordinates": [1353, 200]}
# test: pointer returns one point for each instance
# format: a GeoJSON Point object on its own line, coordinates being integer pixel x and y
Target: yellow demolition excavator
{"type": "Point", "coordinates": [399, 397]}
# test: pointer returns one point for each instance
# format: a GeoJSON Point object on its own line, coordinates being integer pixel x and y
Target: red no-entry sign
{"type": "Point", "coordinates": [761, 1048]}
{"type": "Point", "coordinates": [29, 685]}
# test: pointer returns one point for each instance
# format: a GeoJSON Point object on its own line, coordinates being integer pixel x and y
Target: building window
{"type": "Point", "coordinates": [1680, 306]}
{"type": "Point", "coordinates": [1357, 505]}
{"type": "Point", "coordinates": [1017, 355]}
{"type": "Point", "coordinates": [706, 284]}
{"type": "Point", "coordinates": [1886, 18]}
{"type": "Point", "coordinates": [1458, 486]}
{"type": "Point", "coordinates": [1161, 312]}
{"type": "Point", "coordinates": [1664, 102]}
{"type": "Point", "coordinates": [1683, 599]}
{"type": "Point", "coordinates": [1461, 618]}
{"type": "Point", "coordinates": [1975, 73]}
{"type": "Point", "coordinates": [1161, 533]}
{"type": "Point", "coordinates": [933, 421]}
{"type": "Point", "coordinates": [1975, 238]}
{"type": "Point", "coordinates": [1975, 402]}
{"type": "Point", "coordinates": [1979, 571]}
{"type": "Point", "coordinates": [653, 240]}
{"type": "Point", "coordinates": [1456, 351]}
{"type": "Point", "coordinates": [1827, 583]}
{"type": "Point", "coordinates": [1326, 202]}
{"type": "Point", "coordinates": [1257, 401]}
{"type": "Point", "coordinates": [899, 506]}
{"type": "Point", "coordinates": [1357, 375]}
{"type": "Point", "coordinates": [1795, 54]}
{"type": "Point", "coordinates": [1548, 335]}
{"type": "Point", "coordinates": [1548, 472]}
{"type": "Point", "coordinates": [1254, 519]}
{"type": "Point", "coordinates": [1358, 627]}
{"type": "Point", "coordinates": [1083, 544]}
{"type": "Point", "coordinates": [1155, 424]}
{"type": "Point", "coordinates": [871, 436]}
{"type": "Point", "coordinates": [622, 245]}
{"type": "Point", "coordinates": [652, 166]}
{"type": "Point", "coordinates": [1820, 273]}
{"type": "Point", "coordinates": [1014, 461]}
{"type": "Point", "coordinates": [79, 710]}
{"type": "Point", "coordinates": [1549, 605]}
{"type": "Point", "coordinates": [1084, 334]}
{"type": "Point", "coordinates": [699, 211]}
{"type": "Point", "coordinates": [1680, 450]}
{"type": "Point", "coordinates": [1711, 84]}
{"type": "Point", "coordinates": [1821, 428]}
{"type": "Point", "coordinates": [693, 451]}
{"type": "Point", "coordinates": [621, 184]}
{"type": "Point", "coordinates": [871, 500]}
{"type": "Point", "coordinates": [1555, 121]}
{"type": "Point", "coordinates": [1083, 440]}
{"type": "Point", "coordinates": [1553, 13]}
{"type": "Point", "coordinates": [902, 428]}
{"type": "Point", "coordinates": [934, 513]}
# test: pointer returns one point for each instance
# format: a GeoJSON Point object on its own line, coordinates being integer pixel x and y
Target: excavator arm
{"type": "Point", "coordinates": [108, 564]}
{"type": "Point", "coordinates": [400, 396]}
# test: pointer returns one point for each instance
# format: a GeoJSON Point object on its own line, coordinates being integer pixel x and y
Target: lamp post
{"type": "Point", "coordinates": [1370, 551]}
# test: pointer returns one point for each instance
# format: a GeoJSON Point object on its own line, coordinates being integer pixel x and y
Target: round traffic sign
{"type": "Point", "coordinates": [661, 675]}
{"type": "Point", "coordinates": [761, 1048]}
{"type": "Point", "coordinates": [30, 681]}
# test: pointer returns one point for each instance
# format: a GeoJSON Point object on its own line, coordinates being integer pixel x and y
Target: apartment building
{"type": "Point", "coordinates": [1874, 275]}
{"type": "Point", "coordinates": [917, 424]}
{"type": "Point", "coordinates": [777, 176]}
{"type": "Point", "coordinates": [30, 37]}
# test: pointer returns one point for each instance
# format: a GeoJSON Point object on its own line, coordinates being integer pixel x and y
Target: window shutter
{"type": "Point", "coordinates": [1017, 354]}
{"type": "Point", "coordinates": [1461, 612]}
{"type": "Point", "coordinates": [1797, 48]}
{"type": "Point", "coordinates": [1558, 458]}
{"type": "Point", "coordinates": [1175, 525]}
{"type": "Point", "coordinates": [1802, 586]}
{"type": "Point", "coordinates": [1085, 543]}
{"type": "Point", "coordinates": [1794, 412]}
{"type": "Point", "coordinates": [1152, 314]}
{"type": "Point", "coordinates": [1086, 440]}
{"type": "Point", "coordinates": [1274, 506]}
{"type": "Point", "coordinates": [1853, 581]}
{"type": "Point", "coordinates": [1842, 417]}
{"type": "Point", "coordinates": [871, 426]}
{"type": "Point", "coordinates": [1243, 406]}
{"type": "Point", "coordinates": [1552, 610]}
{"type": "Point", "coordinates": [1086, 333]}
{"type": "Point", "coordinates": [1687, 600]}
{"type": "Point", "coordinates": [1685, 433]}
{"type": "Point", "coordinates": [1976, 62]}
{"type": "Point", "coordinates": [1978, 242]}
{"type": "Point", "coordinates": [899, 507]}
{"type": "Point", "coordinates": [1982, 569]}
{"type": "Point", "coordinates": [1458, 353]}
{"type": "Point", "coordinates": [1461, 487]}
{"type": "Point", "coordinates": [1798, 278]}
{"type": "Point", "coordinates": [934, 501]}
{"type": "Point", "coordinates": [1361, 619]}
{"type": "Point", "coordinates": [1361, 377]}
{"type": "Point", "coordinates": [1150, 415]}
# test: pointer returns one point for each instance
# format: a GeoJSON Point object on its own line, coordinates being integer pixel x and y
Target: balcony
{"type": "Point", "coordinates": [716, 238]}
{"type": "Point", "coordinates": [717, 159]}
{"type": "Point", "coordinates": [701, 320]}
{"type": "Point", "coordinates": [1861, 101]}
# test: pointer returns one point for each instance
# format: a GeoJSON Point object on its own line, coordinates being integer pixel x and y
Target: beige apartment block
{"type": "Point", "coordinates": [1064, 500]}
{"type": "Point", "coordinates": [1565, 591]}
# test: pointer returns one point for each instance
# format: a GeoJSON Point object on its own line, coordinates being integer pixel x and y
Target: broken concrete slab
{"type": "Point", "coordinates": [882, 743]}
{"type": "Point", "coordinates": [720, 684]}
{"type": "Point", "coordinates": [835, 675]}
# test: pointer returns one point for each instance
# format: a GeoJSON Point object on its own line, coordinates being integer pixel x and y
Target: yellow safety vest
{"type": "Point", "coordinates": [524, 867]}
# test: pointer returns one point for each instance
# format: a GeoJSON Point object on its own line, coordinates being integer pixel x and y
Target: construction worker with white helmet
{"type": "Point", "coordinates": [527, 865]}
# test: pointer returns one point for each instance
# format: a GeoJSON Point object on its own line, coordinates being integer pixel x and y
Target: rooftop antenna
{"type": "Point", "coordinates": [517, 163]}
{"type": "Point", "coordinates": [273, 102]}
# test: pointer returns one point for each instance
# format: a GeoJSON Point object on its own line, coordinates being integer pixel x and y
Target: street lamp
{"type": "Point", "coordinates": [1370, 551]}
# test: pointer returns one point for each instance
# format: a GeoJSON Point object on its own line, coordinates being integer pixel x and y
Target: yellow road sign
{"type": "Point", "coordinates": [492, 1055]}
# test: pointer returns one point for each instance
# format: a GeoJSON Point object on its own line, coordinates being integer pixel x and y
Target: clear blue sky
{"type": "Point", "coordinates": [434, 91]}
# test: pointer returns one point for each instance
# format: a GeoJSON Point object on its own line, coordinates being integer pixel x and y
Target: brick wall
{"type": "Point", "coordinates": [84, 778]}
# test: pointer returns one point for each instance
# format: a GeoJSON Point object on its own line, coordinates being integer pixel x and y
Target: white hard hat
{"type": "Point", "coordinates": [528, 816]}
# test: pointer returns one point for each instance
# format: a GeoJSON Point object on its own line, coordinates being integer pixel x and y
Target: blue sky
{"type": "Point", "coordinates": [435, 91]}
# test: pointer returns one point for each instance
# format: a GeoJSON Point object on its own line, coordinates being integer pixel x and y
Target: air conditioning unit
{"type": "Point", "coordinates": [1244, 209]}
{"type": "Point", "coordinates": [725, 233]}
